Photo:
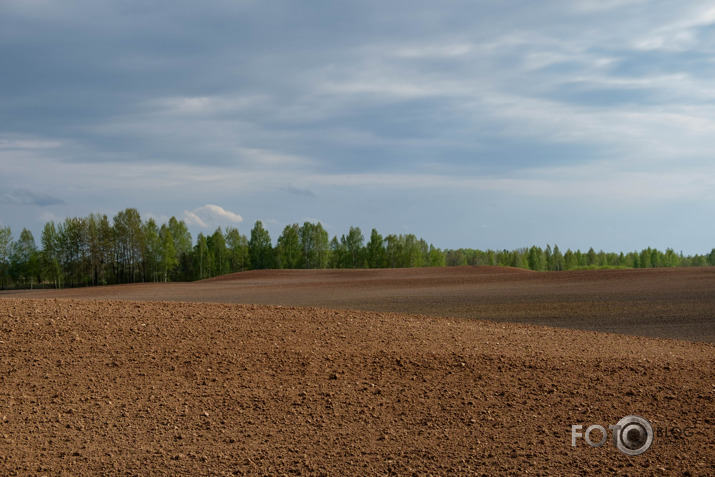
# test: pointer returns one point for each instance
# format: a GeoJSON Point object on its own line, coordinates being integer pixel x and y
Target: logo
{"type": "Point", "coordinates": [632, 435]}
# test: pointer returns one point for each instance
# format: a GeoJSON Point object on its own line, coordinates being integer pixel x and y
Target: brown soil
{"type": "Point", "coordinates": [662, 303]}
{"type": "Point", "coordinates": [127, 387]}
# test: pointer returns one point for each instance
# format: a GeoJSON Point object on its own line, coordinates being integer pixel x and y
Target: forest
{"type": "Point", "coordinates": [92, 250]}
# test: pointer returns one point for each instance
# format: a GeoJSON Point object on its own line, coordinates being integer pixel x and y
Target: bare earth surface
{"type": "Point", "coordinates": [663, 303]}
{"type": "Point", "coordinates": [137, 380]}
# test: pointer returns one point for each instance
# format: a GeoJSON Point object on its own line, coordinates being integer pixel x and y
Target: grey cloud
{"type": "Point", "coordinates": [297, 191]}
{"type": "Point", "coordinates": [412, 87]}
{"type": "Point", "coordinates": [27, 197]}
{"type": "Point", "coordinates": [284, 92]}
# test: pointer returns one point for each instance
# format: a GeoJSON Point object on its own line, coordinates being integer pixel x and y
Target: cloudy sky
{"type": "Point", "coordinates": [484, 124]}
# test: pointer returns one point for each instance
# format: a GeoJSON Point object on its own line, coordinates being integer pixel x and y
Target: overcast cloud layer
{"type": "Point", "coordinates": [469, 123]}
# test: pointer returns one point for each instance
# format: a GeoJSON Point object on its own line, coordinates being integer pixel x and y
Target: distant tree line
{"type": "Point", "coordinates": [96, 251]}
{"type": "Point", "coordinates": [548, 259]}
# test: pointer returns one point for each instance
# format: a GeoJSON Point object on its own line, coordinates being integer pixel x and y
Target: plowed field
{"type": "Point", "coordinates": [138, 380]}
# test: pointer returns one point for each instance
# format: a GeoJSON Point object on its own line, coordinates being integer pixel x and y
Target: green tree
{"type": "Point", "coordinates": [455, 258]}
{"type": "Point", "coordinates": [106, 247]}
{"type": "Point", "coordinates": [288, 247]}
{"type": "Point", "coordinates": [375, 250]}
{"type": "Point", "coordinates": [413, 252]}
{"type": "Point", "coordinates": [51, 257]}
{"type": "Point", "coordinates": [670, 259]}
{"type": "Point", "coordinates": [549, 258]}
{"type": "Point", "coordinates": [152, 251]}
{"type": "Point", "coordinates": [217, 249]}
{"type": "Point", "coordinates": [504, 258]}
{"type": "Point", "coordinates": [354, 243]}
{"type": "Point", "coordinates": [656, 258]}
{"type": "Point", "coordinates": [535, 258]}
{"type": "Point", "coordinates": [569, 260]}
{"type": "Point", "coordinates": [394, 246]}
{"type": "Point", "coordinates": [202, 252]}
{"type": "Point", "coordinates": [260, 249]}
{"type": "Point", "coordinates": [517, 260]}
{"type": "Point", "coordinates": [338, 252]}
{"type": "Point", "coordinates": [128, 240]}
{"type": "Point", "coordinates": [315, 245]}
{"type": "Point", "coordinates": [168, 255]}
{"type": "Point", "coordinates": [73, 249]}
{"type": "Point", "coordinates": [591, 257]}
{"type": "Point", "coordinates": [24, 258]}
{"type": "Point", "coordinates": [436, 257]}
{"type": "Point", "coordinates": [699, 261]}
{"type": "Point", "coordinates": [183, 248]}
{"type": "Point", "coordinates": [645, 258]}
{"type": "Point", "coordinates": [237, 245]}
{"type": "Point", "coordinates": [94, 265]}
{"type": "Point", "coordinates": [558, 259]}
{"type": "Point", "coordinates": [6, 246]}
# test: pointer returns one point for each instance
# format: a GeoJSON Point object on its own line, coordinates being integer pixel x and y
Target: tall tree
{"type": "Point", "coordinates": [315, 245]}
{"type": "Point", "coordinates": [182, 247]}
{"type": "Point", "coordinates": [168, 255]}
{"type": "Point", "coordinates": [73, 249]}
{"type": "Point", "coordinates": [394, 246]}
{"type": "Point", "coordinates": [549, 257]}
{"type": "Point", "coordinates": [288, 249]}
{"type": "Point", "coordinates": [558, 259]}
{"type": "Point", "coordinates": [536, 259]}
{"type": "Point", "coordinates": [260, 248]}
{"type": "Point", "coordinates": [202, 252]}
{"type": "Point", "coordinates": [218, 250]}
{"type": "Point", "coordinates": [5, 254]}
{"type": "Point", "coordinates": [100, 247]}
{"type": "Point", "coordinates": [591, 257]}
{"type": "Point", "coordinates": [412, 251]}
{"type": "Point", "coordinates": [354, 242]}
{"type": "Point", "coordinates": [375, 250]}
{"type": "Point", "coordinates": [436, 257]}
{"type": "Point", "coordinates": [51, 253]}
{"type": "Point", "coordinates": [645, 258]}
{"type": "Point", "coordinates": [237, 245]}
{"type": "Point", "coordinates": [338, 253]}
{"type": "Point", "coordinates": [24, 258]}
{"type": "Point", "coordinates": [128, 240]}
{"type": "Point", "coordinates": [569, 260]}
{"type": "Point", "coordinates": [455, 258]}
{"type": "Point", "coordinates": [152, 251]}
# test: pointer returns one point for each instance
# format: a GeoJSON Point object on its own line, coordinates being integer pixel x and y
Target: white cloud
{"type": "Point", "coordinates": [47, 216]}
{"type": "Point", "coordinates": [433, 51]}
{"type": "Point", "coordinates": [193, 219]}
{"type": "Point", "coordinates": [27, 143]}
{"type": "Point", "coordinates": [205, 104]}
{"type": "Point", "coordinates": [680, 32]}
{"type": "Point", "coordinates": [590, 6]}
{"type": "Point", "coordinates": [209, 215]}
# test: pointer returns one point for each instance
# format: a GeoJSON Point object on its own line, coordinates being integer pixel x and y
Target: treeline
{"type": "Point", "coordinates": [548, 259]}
{"type": "Point", "coordinates": [96, 251]}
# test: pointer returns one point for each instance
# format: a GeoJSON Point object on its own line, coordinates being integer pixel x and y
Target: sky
{"type": "Point", "coordinates": [476, 124]}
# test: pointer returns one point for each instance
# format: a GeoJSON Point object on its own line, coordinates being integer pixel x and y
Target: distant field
{"type": "Point", "coordinates": [666, 303]}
